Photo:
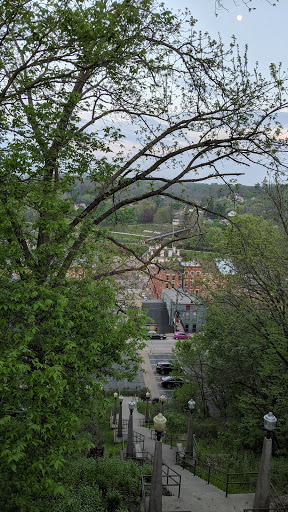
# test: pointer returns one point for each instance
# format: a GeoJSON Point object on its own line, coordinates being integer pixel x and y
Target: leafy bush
{"type": "Point", "coordinates": [176, 423]}
{"type": "Point", "coordinates": [182, 395]}
{"type": "Point", "coordinates": [105, 484]}
{"type": "Point", "coordinates": [207, 429]}
{"type": "Point", "coordinates": [141, 407]}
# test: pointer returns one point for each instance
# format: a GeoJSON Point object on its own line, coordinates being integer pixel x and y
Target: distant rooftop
{"type": "Point", "coordinates": [193, 263]}
{"type": "Point", "coordinates": [225, 266]}
{"type": "Point", "coordinates": [179, 296]}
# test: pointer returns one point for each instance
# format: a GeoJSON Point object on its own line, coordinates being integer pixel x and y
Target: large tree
{"type": "Point", "coordinates": [245, 339]}
{"type": "Point", "coordinates": [75, 78]}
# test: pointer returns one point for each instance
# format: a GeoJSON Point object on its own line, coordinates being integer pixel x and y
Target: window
{"type": "Point", "coordinates": [192, 275]}
{"type": "Point", "coordinates": [194, 316]}
{"type": "Point", "coordinates": [186, 327]}
{"type": "Point", "coordinates": [194, 328]}
{"type": "Point", "coordinates": [167, 285]}
{"type": "Point", "coordinates": [167, 277]}
{"type": "Point", "coordinates": [185, 283]}
{"type": "Point", "coordinates": [173, 277]}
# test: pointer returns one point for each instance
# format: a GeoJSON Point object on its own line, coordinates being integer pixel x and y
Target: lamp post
{"type": "Point", "coordinates": [262, 493]}
{"type": "Point", "coordinates": [129, 450]}
{"type": "Point", "coordinates": [147, 416]}
{"type": "Point", "coordinates": [155, 503]}
{"type": "Point", "coordinates": [162, 400]}
{"type": "Point", "coordinates": [119, 433]}
{"type": "Point", "coordinates": [189, 446]}
{"type": "Point", "coordinates": [115, 407]}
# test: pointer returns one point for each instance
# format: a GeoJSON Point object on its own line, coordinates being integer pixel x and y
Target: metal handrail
{"type": "Point", "coordinates": [270, 509]}
{"type": "Point", "coordinates": [143, 496]}
{"type": "Point", "coordinates": [225, 477]}
{"type": "Point", "coordinates": [142, 423]}
{"type": "Point", "coordinates": [138, 438]}
{"type": "Point", "coordinates": [280, 506]}
{"type": "Point", "coordinates": [170, 478]}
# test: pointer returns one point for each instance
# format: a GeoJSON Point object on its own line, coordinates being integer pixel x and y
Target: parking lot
{"type": "Point", "coordinates": [155, 350]}
{"type": "Point", "coordinates": [154, 358]}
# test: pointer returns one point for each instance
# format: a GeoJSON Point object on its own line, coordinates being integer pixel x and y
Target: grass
{"type": "Point", "coordinates": [110, 447]}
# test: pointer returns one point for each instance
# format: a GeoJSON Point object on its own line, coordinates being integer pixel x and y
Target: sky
{"type": "Point", "coordinates": [263, 30]}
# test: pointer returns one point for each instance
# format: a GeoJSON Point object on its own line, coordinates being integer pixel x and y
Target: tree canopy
{"type": "Point", "coordinates": [242, 351]}
{"type": "Point", "coordinates": [122, 93]}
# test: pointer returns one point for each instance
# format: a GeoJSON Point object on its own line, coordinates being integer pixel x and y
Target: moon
{"type": "Point", "coordinates": [239, 17]}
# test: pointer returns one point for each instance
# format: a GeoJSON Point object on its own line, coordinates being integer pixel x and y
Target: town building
{"type": "Point", "coordinates": [185, 312]}
{"type": "Point", "coordinates": [190, 276]}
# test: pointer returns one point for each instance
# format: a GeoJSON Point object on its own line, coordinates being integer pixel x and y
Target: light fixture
{"type": "Point", "coordinates": [160, 423]}
{"type": "Point", "coordinates": [191, 404]}
{"type": "Point", "coordinates": [270, 422]}
{"type": "Point", "coordinates": [131, 405]}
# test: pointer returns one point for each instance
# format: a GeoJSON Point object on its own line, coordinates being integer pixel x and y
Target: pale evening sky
{"type": "Point", "coordinates": [264, 30]}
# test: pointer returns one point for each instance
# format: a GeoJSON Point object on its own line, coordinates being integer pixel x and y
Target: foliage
{"type": "Point", "coordinates": [100, 485]}
{"type": "Point", "coordinates": [75, 77]}
{"type": "Point", "coordinates": [176, 423]}
{"type": "Point", "coordinates": [182, 395]}
{"type": "Point", "coordinates": [47, 387]}
{"type": "Point", "coordinates": [245, 338]}
{"type": "Point", "coordinates": [190, 360]}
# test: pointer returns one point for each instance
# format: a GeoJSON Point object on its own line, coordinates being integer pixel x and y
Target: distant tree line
{"type": "Point", "coordinates": [218, 198]}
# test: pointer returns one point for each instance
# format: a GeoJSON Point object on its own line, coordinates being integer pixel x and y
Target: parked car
{"type": "Point", "coordinates": [172, 382]}
{"type": "Point", "coordinates": [156, 399]}
{"type": "Point", "coordinates": [164, 367]}
{"type": "Point", "coordinates": [181, 335]}
{"type": "Point", "coordinates": [154, 335]}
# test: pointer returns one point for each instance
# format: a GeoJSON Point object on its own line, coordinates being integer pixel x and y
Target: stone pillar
{"type": "Point", "coordinates": [115, 408]}
{"type": "Point", "coordinates": [155, 502]}
{"type": "Point", "coordinates": [189, 446]}
{"type": "Point", "coordinates": [262, 494]}
{"type": "Point", "coordinates": [147, 415]}
{"type": "Point", "coordinates": [129, 450]}
{"type": "Point", "coordinates": [119, 432]}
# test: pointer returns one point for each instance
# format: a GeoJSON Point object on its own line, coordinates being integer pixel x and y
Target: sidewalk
{"type": "Point", "coordinates": [196, 495]}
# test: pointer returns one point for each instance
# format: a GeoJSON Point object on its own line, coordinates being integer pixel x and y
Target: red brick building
{"type": "Point", "coordinates": [189, 276]}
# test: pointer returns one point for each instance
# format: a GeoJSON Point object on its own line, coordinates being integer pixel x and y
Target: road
{"type": "Point", "coordinates": [155, 350]}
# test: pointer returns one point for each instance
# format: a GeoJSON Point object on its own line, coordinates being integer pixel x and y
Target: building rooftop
{"type": "Point", "coordinates": [225, 267]}
{"type": "Point", "coordinates": [193, 263]}
{"type": "Point", "coordinates": [179, 296]}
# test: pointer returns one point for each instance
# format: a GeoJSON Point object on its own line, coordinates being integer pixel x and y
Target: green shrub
{"type": "Point", "coordinates": [207, 429]}
{"type": "Point", "coordinates": [182, 395]}
{"type": "Point", "coordinates": [141, 407]}
{"type": "Point", "coordinates": [105, 484]}
{"type": "Point", "coordinates": [176, 423]}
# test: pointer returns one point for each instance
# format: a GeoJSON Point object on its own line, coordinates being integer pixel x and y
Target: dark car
{"type": "Point", "coordinates": [156, 399]}
{"type": "Point", "coordinates": [154, 335]}
{"type": "Point", "coordinates": [164, 367]}
{"type": "Point", "coordinates": [172, 382]}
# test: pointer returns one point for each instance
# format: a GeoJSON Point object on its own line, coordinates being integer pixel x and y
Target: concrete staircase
{"type": "Point", "coordinates": [196, 494]}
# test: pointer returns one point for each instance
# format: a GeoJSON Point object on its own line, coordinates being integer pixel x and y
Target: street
{"type": "Point", "coordinates": [155, 350]}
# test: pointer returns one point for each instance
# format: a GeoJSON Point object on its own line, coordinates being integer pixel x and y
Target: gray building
{"type": "Point", "coordinates": [157, 312]}
{"type": "Point", "coordinates": [185, 312]}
